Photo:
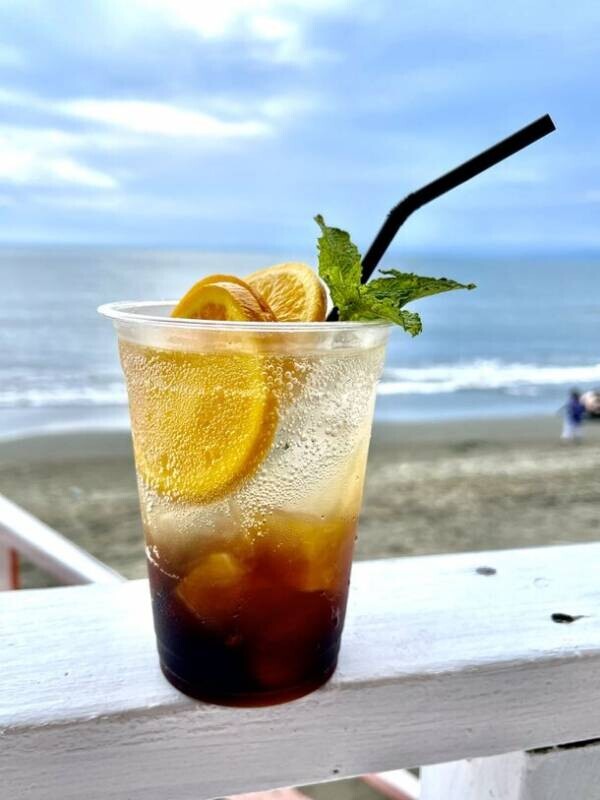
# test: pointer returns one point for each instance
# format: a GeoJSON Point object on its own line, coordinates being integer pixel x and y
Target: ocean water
{"type": "Point", "coordinates": [514, 346]}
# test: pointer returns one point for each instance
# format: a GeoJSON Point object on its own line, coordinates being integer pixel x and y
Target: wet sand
{"type": "Point", "coordinates": [441, 487]}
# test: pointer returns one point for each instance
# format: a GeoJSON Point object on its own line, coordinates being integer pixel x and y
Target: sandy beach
{"type": "Point", "coordinates": [440, 487]}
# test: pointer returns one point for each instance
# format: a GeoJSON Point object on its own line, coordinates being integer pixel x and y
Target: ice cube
{"type": "Point", "coordinates": [213, 589]}
{"type": "Point", "coordinates": [307, 552]}
{"type": "Point", "coordinates": [178, 534]}
{"type": "Point", "coordinates": [287, 650]}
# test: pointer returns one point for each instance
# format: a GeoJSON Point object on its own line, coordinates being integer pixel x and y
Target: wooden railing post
{"type": "Point", "coordinates": [9, 568]}
{"type": "Point", "coordinates": [553, 773]}
{"type": "Point", "coordinates": [21, 532]}
{"type": "Point", "coordinates": [500, 777]}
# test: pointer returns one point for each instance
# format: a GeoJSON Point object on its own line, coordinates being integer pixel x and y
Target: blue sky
{"type": "Point", "coordinates": [229, 124]}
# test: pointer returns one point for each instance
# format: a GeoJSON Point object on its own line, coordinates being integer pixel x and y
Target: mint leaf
{"type": "Point", "coordinates": [339, 264]}
{"type": "Point", "coordinates": [370, 309]}
{"type": "Point", "coordinates": [403, 287]}
{"type": "Point", "coordinates": [385, 297]}
{"type": "Point", "coordinates": [382, 298]}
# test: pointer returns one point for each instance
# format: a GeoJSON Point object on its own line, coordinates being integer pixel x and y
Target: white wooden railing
{"type": "Point", "coordinates": [490, 657]}
{"type": "Point", "coordinates": [22, 534]}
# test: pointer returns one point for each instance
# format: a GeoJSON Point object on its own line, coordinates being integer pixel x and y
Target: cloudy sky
{"type": "Point", "coordinates": [226, 124]}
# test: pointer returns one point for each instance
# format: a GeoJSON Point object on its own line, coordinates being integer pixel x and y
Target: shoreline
{"type": "Point", "coordinates": [17, 422]}
{"type": "Point", "coordinates": [534, 428]}
{"type": "Point", "coordinates": [437, 487]}
{"type": "Point", "coordinates": [57, 440]}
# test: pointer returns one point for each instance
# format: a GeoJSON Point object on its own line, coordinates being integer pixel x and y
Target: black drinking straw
{"type": "Point", "coordinates": [474, 166]}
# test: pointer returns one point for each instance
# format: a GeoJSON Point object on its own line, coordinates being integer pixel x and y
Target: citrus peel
{"type": "Point", "coordinates": [292, 290]}
{"type": "Point", "coordinates": [223, 297]}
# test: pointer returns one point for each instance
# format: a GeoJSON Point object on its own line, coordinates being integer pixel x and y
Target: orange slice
{"type": "Point", "coordinates": [292, 290]}
{"type": "Point", "coordinates": [223, 297]}
{"type": "Point", "coordinates": [202, 422]}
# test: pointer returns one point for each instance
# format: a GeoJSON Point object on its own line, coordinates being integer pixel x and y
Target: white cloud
{"type": "Point", "coordinates": [272, 28]}
{"type": "Point", "coordinates": [162, 119]}
{"type": "Point", "coordinates": [267, 19]}
{"type": "Point", "coordinates": [51, 157]}
{"type": "Point", "coordinates": [42, 157]}
{"type": "Point", "coordinates": [68, 170]}
{"type": "Point", "coordinates": [277, 24]}
{"type": "Point", "coordinates": [223, 117]}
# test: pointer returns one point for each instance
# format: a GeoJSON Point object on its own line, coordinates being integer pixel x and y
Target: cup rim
{"type": "Point", "coordinates": [132, 311]}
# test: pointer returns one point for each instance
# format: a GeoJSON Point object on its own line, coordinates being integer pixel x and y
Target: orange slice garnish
{"type": "Point", "coordinates": [292, 290]}
{"type": "Point", "coordinates": [202, 423]}
{"type": "Point", "coordinates": [223, 297]}
{"type": "Point", "coordinates": [203, 419]}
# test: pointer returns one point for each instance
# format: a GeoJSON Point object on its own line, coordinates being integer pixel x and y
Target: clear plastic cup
{"type": "Point", "coordinates": [250, 443]}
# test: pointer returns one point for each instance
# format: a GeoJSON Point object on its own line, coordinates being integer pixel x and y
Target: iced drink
{"type": "Point", "coordinates": [250, 443]}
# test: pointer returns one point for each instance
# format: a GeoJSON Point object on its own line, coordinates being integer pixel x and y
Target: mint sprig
{"type": "Point", "coordinates": [380, 298]}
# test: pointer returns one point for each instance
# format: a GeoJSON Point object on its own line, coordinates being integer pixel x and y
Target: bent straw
{"type": "Point", "coordinates": [474, 166]}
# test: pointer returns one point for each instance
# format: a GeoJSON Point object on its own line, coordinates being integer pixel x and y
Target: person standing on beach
{"type": "Point", "coordinates": [574, 412]}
